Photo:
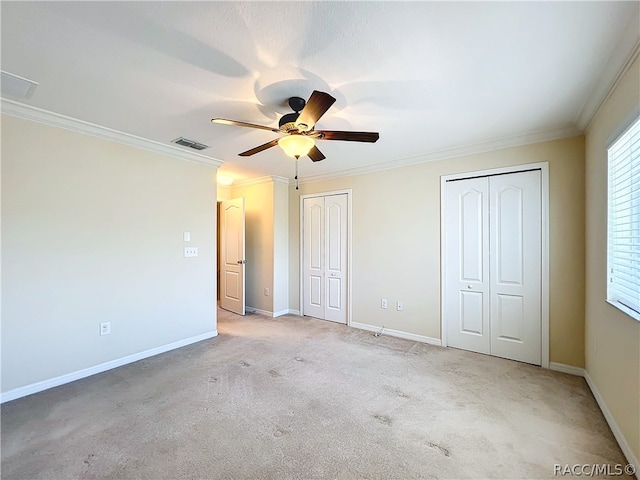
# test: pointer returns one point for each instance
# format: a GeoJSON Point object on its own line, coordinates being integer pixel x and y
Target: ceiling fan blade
{"type": "Point", "coordinates": [316, 106]}
{"type": "Point", "coordinates": [224, 121]}
{"type": "Point", "coordinates": [259, 149]}
{"type": "Point", "coordinates": [349, 136]}
{"type": "Point", "coordinates": [315, 155]}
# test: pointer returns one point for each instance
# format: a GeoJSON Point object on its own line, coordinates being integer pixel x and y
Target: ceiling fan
{"type": "Point", "coordinates": [300, 136]}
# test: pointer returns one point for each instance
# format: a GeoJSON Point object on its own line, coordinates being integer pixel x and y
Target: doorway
{"type": "Point", "coordinates": [232, 261]}
{"type": "Point", "coordinates": [495, 263]}
{"type": "Point", "coordinates": [325, 255]}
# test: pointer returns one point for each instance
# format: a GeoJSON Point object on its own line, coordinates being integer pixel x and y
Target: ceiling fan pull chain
{"type": "Point", "coordinates": [297, 157]}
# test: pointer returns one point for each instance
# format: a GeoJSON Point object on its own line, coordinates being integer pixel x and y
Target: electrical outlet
{"type": "Point", "coordinates": [105, 328]}
{"type": "Point", "coordinates": [190, 252]}
{"type": "Point", "coordinates": [266, 292]}
{"type": "Point", "coordinates": [400, 306]}
{"type": "Point", "coordinates": [383, 303]}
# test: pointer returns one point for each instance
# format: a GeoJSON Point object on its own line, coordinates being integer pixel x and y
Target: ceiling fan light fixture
{"type": "Point", "coordinates": [296, 145]}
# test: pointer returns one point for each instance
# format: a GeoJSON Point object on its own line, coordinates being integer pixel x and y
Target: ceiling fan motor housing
{"type": "Point", "coordinates": [288, 118]}
{"type": "Point", "coordinates": [296, 104]}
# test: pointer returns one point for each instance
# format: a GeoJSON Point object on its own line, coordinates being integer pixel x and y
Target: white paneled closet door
{"type": "Point", "coordinates": [467, 265]}
{"type": "Point", "coordinates": [516, 266]}
{"type": "Point", "coordinates": [325, 247]}
{"type": "Point", "coordinates": [493, 265]}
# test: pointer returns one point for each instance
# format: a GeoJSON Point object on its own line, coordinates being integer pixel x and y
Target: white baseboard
{"type": "Point", "coordinates": [286, 311]}
{"type": "Point", "coordinates": [279, 313]}
{"type": "Point", "coordinates": [398, 333]}
{"type": "Point", "coordinates": [613, 425]}
{"type": "Point", "coordinates": [570, 369]}
{"type": "Point", "coordinates": [258, 310]}
{"type": "Point", "coordinates": [622, 441]}
{"type": "Point", "coordinates": [103, 367]}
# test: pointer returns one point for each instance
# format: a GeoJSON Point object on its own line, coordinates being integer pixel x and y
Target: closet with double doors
{"type": "Point", "coordinates": [493, 264]}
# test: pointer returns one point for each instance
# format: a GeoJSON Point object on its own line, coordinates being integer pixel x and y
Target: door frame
{"type": "Point", "coordinates": [544, 168]}
{"type": "Point", "coordinates": [348, 192]}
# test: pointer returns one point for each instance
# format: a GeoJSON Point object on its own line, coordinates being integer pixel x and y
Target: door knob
{"type": "Point", "coordinates": [241, 262]}
{"type": "Point", "coordinates": [469, 286]}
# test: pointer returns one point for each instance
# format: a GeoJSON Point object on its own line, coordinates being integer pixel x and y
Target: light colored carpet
{"type": "Point", "coordinates": [296, 397]}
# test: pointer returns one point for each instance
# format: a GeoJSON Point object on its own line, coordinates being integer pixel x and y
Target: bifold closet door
{"type": "Point", "coordinates": [466, 266]}
{"type": "Point", "coordinates": [325, 257]}
{"type": "Point", "coordinates": [493, 265]}
{"type": "Point", "coordinates": [516, 266]}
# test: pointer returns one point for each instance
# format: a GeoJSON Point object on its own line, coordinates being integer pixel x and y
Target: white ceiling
{"type": "Point", "coordinates": [429, 76]}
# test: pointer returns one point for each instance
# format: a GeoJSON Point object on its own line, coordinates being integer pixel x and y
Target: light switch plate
{"type": "Point", "coordinates": [187, 236]}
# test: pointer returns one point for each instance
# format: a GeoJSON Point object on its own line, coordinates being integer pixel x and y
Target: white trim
{"type": "Point", "coordinates": [349, 194]}
{"type": "Point", "coordinates": [570, 369]}
{"type": "Point", "coordinates": [508, 142]}
{"type": "Point", "coordinates": [279, 313]}
{"type": "Point", "coordinates": [617, 433]}
{"type": "Point", "coordinates": [267, 313]}
{"type": "Point", "coordinates": [260, 180]}
{"type": "Point", "coordinates": [287, 311]}
{"type": "Point", "coordinates": [545, 263]}
{"type": "Point", "coordinates": [544, 167]}
{"type": "Point", "coordinates": [624, 309]}
{"type": "Point", "coordinates": [28, 112]}
{"type": "Point", "coordinates": [397, 333]}
{"type": "Point", "coordinates": [103, 367]}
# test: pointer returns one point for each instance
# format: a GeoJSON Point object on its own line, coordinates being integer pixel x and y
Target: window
{"type": "Point", "coordinates": [623, 246]}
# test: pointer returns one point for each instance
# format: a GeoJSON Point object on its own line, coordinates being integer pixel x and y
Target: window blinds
{"type": "Point", "coordinates": [624, 220]}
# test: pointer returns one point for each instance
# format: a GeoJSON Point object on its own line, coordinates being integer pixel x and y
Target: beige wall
{"type": "Point", "coordinates": [612, 337]}
{"type": "Point", "coordinates": [396, 241]}
{"type": "Point", "coordinates": [92, 232]}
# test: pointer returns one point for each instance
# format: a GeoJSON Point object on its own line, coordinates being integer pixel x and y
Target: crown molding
{"type": "Point", "coordinates": [623, 55]}
{"type": "Point", "coordinates": [28, 112]}
{"type": "Point", "coordinates": [265, 179]}
{"type": "Point", "coordinates": [281, 180]}
{"type": "Point", "coordinates": [508, 142]}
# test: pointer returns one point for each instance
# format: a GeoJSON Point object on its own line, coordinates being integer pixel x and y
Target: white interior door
{"type": "Point", "coordinates": [313, 257]}
{"type": "Point", "coordinates": [335, 208]}
{"type": "Point", "coordinates": [232, 251]}
{"type": "Point", "coordinates": [466, 233]}
{"type": "Point", "coordinates": [493, 265]}
{"type": "Point", "coordinates": [325, 247]}
{"type": "Point", "coordinates": [516, 266]}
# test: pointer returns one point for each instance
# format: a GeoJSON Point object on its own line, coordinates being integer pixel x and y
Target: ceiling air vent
{"type": "Point", "coordinates": [185, 142]}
